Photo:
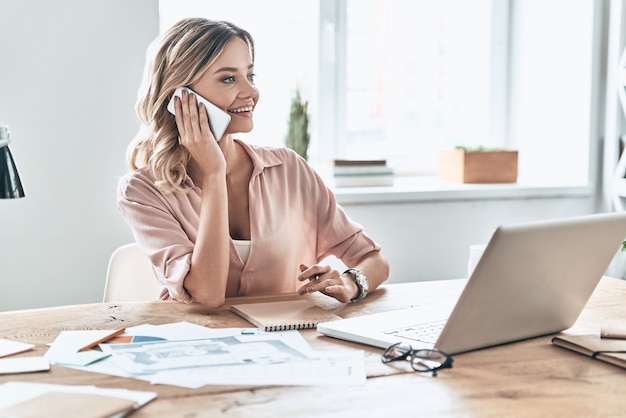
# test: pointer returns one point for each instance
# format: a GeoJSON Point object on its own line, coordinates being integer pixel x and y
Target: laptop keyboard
{"type": "Point", "coordinates": [426, 333]}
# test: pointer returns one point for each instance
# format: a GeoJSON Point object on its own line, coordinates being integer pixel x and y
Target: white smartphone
{"type": "Point", "coordinates": [218, 119]}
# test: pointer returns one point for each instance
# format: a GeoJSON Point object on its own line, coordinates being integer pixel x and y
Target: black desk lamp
{"type": "Point", "coordinates": [10, 184]}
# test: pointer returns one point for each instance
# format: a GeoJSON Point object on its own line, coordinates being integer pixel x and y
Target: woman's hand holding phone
{"type": "Point", "coordinates": [218, 119]}
{"type": "Point", "coordinates": [195, 133]}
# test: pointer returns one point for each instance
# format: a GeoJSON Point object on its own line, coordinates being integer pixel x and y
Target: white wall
{"type": "Point", "coordinates": [69, 71]}
{"type": "Point", "coordinates": [429, 240]}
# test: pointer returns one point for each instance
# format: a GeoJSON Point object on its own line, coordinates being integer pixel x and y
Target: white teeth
{"type": "Point", "coordinates": [244, 109]}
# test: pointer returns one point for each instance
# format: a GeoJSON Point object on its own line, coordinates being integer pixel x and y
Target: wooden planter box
{"type": "Point", "coordinates": [478, 166]}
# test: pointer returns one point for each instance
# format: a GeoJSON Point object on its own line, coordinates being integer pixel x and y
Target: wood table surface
{"type": "Point", "coordinates": [531, 378]}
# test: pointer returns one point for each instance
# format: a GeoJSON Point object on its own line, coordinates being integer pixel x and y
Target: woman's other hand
{"type": "Point", "coordinates": [327, 281]}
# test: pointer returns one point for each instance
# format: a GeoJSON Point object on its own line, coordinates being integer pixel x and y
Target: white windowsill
{"type": "Point", "coordinates": [422, 189]}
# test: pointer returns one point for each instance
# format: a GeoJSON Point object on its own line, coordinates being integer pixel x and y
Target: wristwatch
{"type": "Point", "coordinates": [361, 282]}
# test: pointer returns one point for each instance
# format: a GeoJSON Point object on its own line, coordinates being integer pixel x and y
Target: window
{"type": "Point", "coordinates": [414, 76]}
{"type": "Point", "coordinates": [401, 79]}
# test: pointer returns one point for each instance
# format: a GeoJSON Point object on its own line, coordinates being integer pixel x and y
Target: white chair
{"type": "Point", "coordinates": [130, 276]}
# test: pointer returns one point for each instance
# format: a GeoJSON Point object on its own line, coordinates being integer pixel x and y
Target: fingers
{"type": "Point", "coordinates": [192, 120]}
{"type": "Point", "coordinates": [203, 116]}
{"type": "Point", "coordinates": [313, 272]}
{"type": "Point", "coordinates": [190, 116]}
{"type": "Point", "coordinates": [178, 115]}
{"type": "Point", "coordinates": [319, 278]}
{"type": "Point", "coordinates": [313, 286]}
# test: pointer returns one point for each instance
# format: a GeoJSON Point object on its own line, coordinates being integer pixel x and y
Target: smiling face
{"type": "Point", "coordinates": [229, 84]}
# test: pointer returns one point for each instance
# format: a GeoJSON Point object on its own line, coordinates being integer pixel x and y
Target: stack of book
{"type": "Point", "coordinates": [361, 173]}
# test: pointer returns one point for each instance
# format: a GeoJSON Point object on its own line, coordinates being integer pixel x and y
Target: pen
{"type": "Point", "coordinates": [103, 339]}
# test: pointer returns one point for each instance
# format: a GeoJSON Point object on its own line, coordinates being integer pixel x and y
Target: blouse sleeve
{"type": "Point", "coordinates": [337, 233]}
{"type": "Point", "coordinates": [157, 232]}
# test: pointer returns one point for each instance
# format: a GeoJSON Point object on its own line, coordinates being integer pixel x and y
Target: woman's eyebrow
{"type": "Point", "coordinates": [230, 69]}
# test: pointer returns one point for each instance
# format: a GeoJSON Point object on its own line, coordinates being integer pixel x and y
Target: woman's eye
{"type": "Point", "coordinates": [252, 77]}
{"type": "Point", "coordinates": [230, 79]}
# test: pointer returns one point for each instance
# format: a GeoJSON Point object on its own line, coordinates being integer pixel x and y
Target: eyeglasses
{"type": "Point", "coordinates": [423, 361]}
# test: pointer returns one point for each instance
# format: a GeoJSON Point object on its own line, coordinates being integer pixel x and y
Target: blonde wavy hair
{"type": "Point", "coordinates": [176, 59]}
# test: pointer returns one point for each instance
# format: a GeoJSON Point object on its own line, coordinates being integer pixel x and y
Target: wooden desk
{"type": "Point", "coordinates": [529, 378]}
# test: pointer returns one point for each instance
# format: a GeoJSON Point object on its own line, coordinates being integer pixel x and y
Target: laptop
{"type": "Point", "coordinates": [533, 279]}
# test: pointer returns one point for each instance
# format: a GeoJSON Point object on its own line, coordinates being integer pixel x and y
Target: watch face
{"type": "Point", "coordinates": [361, 282]}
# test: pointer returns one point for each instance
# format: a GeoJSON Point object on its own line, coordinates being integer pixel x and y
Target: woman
{"type": "Point", "coordinates": [220, 219]}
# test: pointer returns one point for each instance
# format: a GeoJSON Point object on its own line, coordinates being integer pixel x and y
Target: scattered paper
{"type": "Point", "coordinates": [9, 347]}
{"type": "Point", "coordinates": [24, 365]}
{"type": "Point", "coordinates": [327, 369]}
{"type": "Point", "coordinates": [194, 356]}
{"type": "Point", "coordinates": [155, 357]}
{"type": "Point", "coordinates": [68, 343]}
{"type": "Point", "coordinates": [82, 358]}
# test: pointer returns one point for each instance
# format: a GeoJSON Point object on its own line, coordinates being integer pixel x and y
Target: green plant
{"type": "Point", "coordinates": [298, 131]}
{"type": "Point", "coordinates": [624, 246]}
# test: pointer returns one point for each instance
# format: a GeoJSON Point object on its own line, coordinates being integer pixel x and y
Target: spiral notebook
{"type": "Point", "coordinates": [284, 315]}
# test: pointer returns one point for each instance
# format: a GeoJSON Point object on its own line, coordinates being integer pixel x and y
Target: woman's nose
{"type": "Point", "coordinates": [249, 90]}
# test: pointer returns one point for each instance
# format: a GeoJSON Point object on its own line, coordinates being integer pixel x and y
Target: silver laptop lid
{"type": "Point", "coordinates": [533, 279]}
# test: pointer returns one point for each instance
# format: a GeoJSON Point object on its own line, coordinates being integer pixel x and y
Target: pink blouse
{"type": "Point", "coordinates": [294, 219]}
